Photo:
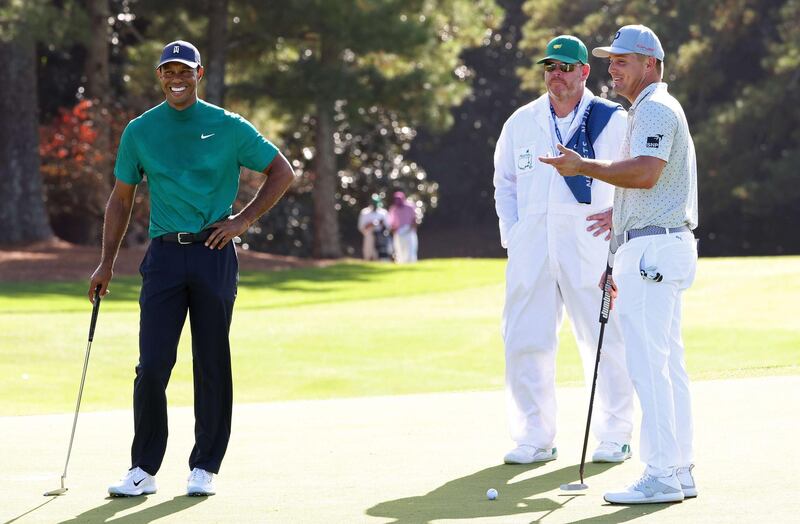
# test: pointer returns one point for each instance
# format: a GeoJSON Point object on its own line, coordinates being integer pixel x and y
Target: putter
{"type": "Point", "coordinates": [605, 309]}
{"type": "Point", "coordinates": [95, 308]}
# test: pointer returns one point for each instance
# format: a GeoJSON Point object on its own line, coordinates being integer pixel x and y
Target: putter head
{"type": "Point", "coordinates": [59, 491]}
{"type": "Point", "coordinates": [577, 486]}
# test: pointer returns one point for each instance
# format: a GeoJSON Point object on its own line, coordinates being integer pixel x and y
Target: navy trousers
{"type": "Point", "coordinates": [177, 279]}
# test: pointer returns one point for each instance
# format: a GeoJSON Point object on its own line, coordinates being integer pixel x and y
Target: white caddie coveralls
{"type": "Point", "coordinates": [554, 262]}
{"type": "Point", "coordinates": [378, 218]}
{"type": "Point", "coordinates": [651, 273]}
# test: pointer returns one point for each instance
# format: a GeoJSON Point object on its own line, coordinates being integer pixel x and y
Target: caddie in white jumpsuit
{"type": "Point", "coordinates": [557, 241]}
{"type": "Point", "coordinates": [372, 221]}
{"type": "Point", "coordinates": [655, 211]}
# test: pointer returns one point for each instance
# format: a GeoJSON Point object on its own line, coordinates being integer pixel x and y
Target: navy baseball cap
{"type": "Point", "coordinates": [180, 51]}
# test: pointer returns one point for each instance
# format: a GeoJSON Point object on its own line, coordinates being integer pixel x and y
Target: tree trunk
{"type": "Point", "coordinates": [98, 89]}
{"type": "Point", "coordinates": [326, 220]}
{"type": "Point", "coordinates": [23, 218]}
{"type": "Point", "coordinates": [217, 50]}
{"type": "Point", "coordinates": [98, 84]}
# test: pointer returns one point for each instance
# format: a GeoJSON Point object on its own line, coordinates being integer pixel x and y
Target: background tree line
{"type": "Point", "coordinates": [370, 96]}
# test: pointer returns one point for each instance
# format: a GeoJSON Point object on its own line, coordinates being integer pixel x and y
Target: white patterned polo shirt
{"type": "Point", "coordinates": [657, 127]}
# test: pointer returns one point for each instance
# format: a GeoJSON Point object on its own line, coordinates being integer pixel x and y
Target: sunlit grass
{"type": "Point", "coordinates": [367, 329]}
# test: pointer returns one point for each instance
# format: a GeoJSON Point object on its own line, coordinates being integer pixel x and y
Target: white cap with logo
{"type": "Point", "coordinates": [632, 39]}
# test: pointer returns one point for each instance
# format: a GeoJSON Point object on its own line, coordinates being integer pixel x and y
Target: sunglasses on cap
{"type": "Point", "coordinates": [565, 68]}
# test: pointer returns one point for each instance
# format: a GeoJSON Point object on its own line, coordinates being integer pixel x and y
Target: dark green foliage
{"type": "Point", "coordinates": [733, 64]}
{"type": "Point", "coordinates": [390, 72]}
{"type": "Point", "coordinates": [461, 160]}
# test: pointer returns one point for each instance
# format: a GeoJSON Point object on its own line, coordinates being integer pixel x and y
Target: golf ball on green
{"type": "Point", "coordinates": [491, 494]}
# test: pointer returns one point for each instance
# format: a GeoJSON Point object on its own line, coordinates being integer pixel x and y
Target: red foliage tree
{"type": "Point", "coordinates": [78, 176]}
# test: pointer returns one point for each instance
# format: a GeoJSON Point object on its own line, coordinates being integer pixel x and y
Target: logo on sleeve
{"type": "Point", "coordinates": [654, 141]}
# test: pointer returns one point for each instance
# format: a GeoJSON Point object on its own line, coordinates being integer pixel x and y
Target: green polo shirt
{"type": "Point", "coordinates": [191, 159]}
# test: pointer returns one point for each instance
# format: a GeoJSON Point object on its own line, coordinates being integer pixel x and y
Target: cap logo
{"type": "Point", "coordinates": [176, 49]}
{"type": "Point", "coordinates": [557, 46]}
{"type": "Point", "coordinates": [616, 36]}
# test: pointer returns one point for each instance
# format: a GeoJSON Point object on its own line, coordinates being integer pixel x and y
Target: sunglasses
{"type": "Point", "coordinates": [565, 68]}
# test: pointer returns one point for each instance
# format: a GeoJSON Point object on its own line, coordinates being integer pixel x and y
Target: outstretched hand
{"type": "Point", "coordinates": [568, 163]}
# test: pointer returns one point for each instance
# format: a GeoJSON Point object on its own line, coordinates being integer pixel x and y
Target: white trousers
{"type": "Point", "coordinates": [553, 263]}
{"type": "Point", "coordinates": [368, 246]}
{"type": "Point", "coordinates": [650, 312]}
{"type": "Point", "coordinates": [405, 246]}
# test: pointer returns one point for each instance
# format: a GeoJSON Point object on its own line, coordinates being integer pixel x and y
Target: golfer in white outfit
{"type": "Point", "coordinates": [655, 209]}
{"type": "Point", "coordinates": [557, 241]}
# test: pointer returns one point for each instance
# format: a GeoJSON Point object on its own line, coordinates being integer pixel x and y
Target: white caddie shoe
{"type": "Point", "coordinates": [525, 454]}
{"type": "Point", "coordinates": [648, 490]}
{"type": "Point", "coordinates": [686, 479]}
{"type": "Point", "coordinates": [611, 452]}
{"type": "Point", "coordinates": [134, 483]}
{"type": "Point", "coordinates": [201, 483]}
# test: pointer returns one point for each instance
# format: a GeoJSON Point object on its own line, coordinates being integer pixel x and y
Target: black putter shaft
{"type": "Point", "coordinates": [605, 309]}
{"type": "Point", "coordinates": [95, 310]}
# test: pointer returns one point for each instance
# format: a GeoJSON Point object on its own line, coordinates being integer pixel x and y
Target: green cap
{"type": "Point", "coordinates": [567, 49]}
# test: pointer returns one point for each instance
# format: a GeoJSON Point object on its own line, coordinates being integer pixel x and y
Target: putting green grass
{"type": "Point", "coordinates": [357, 329]}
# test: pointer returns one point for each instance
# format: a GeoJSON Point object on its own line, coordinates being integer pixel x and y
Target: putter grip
{"type": "Point", "coordinates": [605, 308]}
{"type": "Point", "coordinates": [95, 309]}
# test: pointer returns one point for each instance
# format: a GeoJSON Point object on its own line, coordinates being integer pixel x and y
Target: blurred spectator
{"type": "Point", "coordinates": [403, 219]}
{"type": "Point", "coordinates": [374, 225]}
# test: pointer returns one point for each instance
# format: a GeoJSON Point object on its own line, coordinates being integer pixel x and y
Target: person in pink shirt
{"type": "Point", "coordinates": [403, 218]}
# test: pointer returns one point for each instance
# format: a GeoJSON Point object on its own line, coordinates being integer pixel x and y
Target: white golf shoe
{"type": "Point", "coordinates": [525, 454]}
{"type": "Point", "coordinates": [201, 483]}
{"type": "Point", "coordinates": [611, 452]}
{"type": "Point", "coordinates": [134, 483]}
{"type": "Point", "coordinates": [648, 490]}
{"type": "Point", "coordinates": [686, 479]}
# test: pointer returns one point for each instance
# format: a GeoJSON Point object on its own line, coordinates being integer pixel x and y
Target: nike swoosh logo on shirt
{"type": "Point", "coordinates": [137, 482]}
{"type": "Point", "coordinates": [203, 136]}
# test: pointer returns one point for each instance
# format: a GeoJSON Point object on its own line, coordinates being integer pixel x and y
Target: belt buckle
{"type": "Point", "coordinates": [181, 241]}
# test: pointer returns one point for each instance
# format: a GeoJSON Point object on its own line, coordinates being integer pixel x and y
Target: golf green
{"type": "Point", "coordinates": [405, 459]}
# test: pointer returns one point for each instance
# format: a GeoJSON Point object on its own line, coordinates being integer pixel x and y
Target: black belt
{"type": "Point", "coordinates": [649, 230]}
{"type": "Point", "coordinates": [187, 238]}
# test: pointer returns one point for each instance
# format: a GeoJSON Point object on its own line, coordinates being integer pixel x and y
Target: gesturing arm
{"type": "Point", "coordinates": [641, 172]}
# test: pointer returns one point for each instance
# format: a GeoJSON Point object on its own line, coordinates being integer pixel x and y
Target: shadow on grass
{"type": "Point", "coordinates": [127, 287]}
{"type": "Point", "coordinates": [48, 501]}
{"type": "Point", "coordinates": [116, 505]}
{"type": "Point", "coordinates": [290, 279]}
{"type": "Point", "coordinates": [465, 497]}
{"type": "Point", "coordinates": [318, 284]}
{"type": "Point", "coordinates": [123, 289]}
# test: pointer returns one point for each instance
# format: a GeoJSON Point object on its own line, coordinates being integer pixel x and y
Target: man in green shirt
{"type": "Point", "coordinates": [191, 153]}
